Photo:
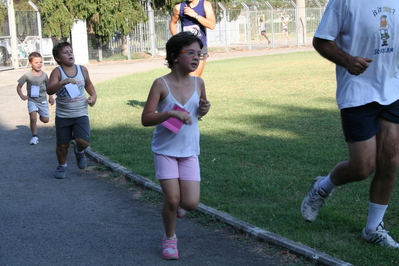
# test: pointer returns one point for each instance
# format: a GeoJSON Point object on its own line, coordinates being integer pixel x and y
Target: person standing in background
{"type": "Point", "coordinates": [195, 16]}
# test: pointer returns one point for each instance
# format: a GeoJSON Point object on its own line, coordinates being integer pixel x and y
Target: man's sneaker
{"type": "Point", "coordinates": [181, 212]}
{"type": "Point", "coordinates": [313, 202]}
{"type": "Point", "coordinates": [34, 140]}
{"type": "Point", "coordinates": [61, 172]}
{"type": "Point", "coordinates": [380, 237]}
{"type": "Point", "coordinates": [169, 249]}
{"type": "Point", "coordinates": [81, 159]}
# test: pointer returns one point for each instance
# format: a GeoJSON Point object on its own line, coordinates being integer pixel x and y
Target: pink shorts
{"type": "Point", "coordinates": [184, 168]}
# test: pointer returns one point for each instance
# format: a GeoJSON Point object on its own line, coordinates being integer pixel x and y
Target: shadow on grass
{"type": "Point", "coordinates": [260, 170]}
{"type": "Point", "coordinates": [136, 104]}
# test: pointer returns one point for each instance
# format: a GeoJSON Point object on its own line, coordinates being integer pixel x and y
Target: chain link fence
{"type": "Point", "coordinates": [237, 28]}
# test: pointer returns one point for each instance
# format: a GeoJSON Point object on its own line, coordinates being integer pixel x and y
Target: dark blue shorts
{"type": "Point", "coordinates": [361, 123]}
{"type": "Point", "coordinates": [69, 128]}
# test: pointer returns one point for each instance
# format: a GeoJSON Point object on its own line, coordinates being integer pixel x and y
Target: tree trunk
{"type": "Point", "coordinates": [124, 45]}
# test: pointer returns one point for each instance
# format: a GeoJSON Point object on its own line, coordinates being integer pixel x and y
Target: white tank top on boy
{"type": "Point", "coordinates": [68, 107]}
{"type": "Point", "coordinates": [186, 142]}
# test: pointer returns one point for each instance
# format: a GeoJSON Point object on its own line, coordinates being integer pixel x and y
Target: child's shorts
{"type": "Point", "coordinates": [68, 128]}
{"type": "Point", "coordinates": [184, 168]}
{"type": "Point", "coordinates": [41, 108]}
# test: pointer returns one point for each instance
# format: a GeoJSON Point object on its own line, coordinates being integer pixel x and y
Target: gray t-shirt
{"type": "Point", "coordinates": [32, 80]}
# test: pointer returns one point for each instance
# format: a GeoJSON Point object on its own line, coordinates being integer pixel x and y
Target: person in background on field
{"type": "Point", "coordinates": [367, 72]}
{"type": "Point", "coordinates": [284, 33]}
{"type": "Point", "coordinates": [36, 81]}
{"type": "Point", "coordinates": [195, 16]}
{"type": "Point", "coordinates": [176, 152]}
{"type": "Point", "coordinates": [69, 82]}
{"type": "Point", "coordinates": [262, 27]}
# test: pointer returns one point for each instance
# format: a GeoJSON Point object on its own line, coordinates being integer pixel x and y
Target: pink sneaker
{"type": "Point", "coordinates": [181, 212]}
{"type": "Point", "coordinates": [169, 249]}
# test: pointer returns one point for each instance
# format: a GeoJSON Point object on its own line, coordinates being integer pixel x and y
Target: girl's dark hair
{"type": "Point", "coordinates": [176, 44]}
{"type": "Point", "coordinates": [58, 47]}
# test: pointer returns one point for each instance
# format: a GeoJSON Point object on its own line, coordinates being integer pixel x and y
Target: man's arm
{"type": "Point", "coordinates": [355, 65]}
{"type": "Point", "coordinates": [174, 19]}
{"type": "Point", "coordinates": [209, 21]}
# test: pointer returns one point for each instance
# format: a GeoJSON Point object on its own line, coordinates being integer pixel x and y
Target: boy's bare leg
{"type": "Point", "coordinates": [33, 122]}
{"type": "Point", "coordinates": [81, 144]}
{"type": "Point", "coordinates": [62, 152]}
{"type": "Point", "coordinates": [44, 119]}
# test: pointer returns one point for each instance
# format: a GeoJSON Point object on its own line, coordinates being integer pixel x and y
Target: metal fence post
{"type": "Point", "coordinates": [296, 22]}
{"type": "Point", "coordinates": [226, 42]}
{"type": "Point", "coordinates": [248, 28]}
{"type": "Point", "coordinates": [39, 26]}
{"type": "Point", "coordinates": [272, 19]}
{"type": "Point", "coordinates": [13, 33]}
{"type": "Point", "coordinates": [319, 5]}
{"type": "Point", "coordinates": [151, 20]}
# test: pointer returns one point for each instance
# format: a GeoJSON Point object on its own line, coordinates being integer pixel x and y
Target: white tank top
{"type": "Point", "coordinates": [186, 142]}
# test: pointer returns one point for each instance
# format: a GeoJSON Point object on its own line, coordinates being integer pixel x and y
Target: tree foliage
{"type": "Point", "coordinates": [103, 18]}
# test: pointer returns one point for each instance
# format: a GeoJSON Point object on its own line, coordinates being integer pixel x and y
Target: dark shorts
{"type": "Point", "coordinates": [204, 50]}
{"type": "Point", "coordinates": [361, 123]}
{"type": "Point", "coordinates": [70, 128]}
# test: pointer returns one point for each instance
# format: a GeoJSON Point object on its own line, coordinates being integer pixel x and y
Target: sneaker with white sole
{"type": "Point", "coordinates": [313, 202]}
{"type": "Point", "coordinates": [61, 172]}
{"type": "Point", "coordinates": [81, 159]}
{"type": "Point", "coordinates": [34, 140]}
{"type": "Point", "coordinates": [380, 237]}
{"type": "Point", "coordinates": [169, 249]}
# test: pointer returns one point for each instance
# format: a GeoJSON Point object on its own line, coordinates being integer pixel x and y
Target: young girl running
{"type": "Point", "coordinates": [176, 138]}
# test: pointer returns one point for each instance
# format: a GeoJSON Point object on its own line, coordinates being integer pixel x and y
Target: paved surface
{"type": "Point", "coordinates": [88, 220]}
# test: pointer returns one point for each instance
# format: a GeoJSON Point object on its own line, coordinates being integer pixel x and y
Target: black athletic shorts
{"type": "Point", "coordinates": [69, 128]}
{"type": "Point", "coordinates": [361, 123]}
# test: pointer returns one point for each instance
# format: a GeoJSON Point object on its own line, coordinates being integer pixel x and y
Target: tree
{"type": "Point", "coordinates": [103, 17]}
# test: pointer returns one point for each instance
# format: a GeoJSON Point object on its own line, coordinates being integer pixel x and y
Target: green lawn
{"type": "Point", "coordinates": [272, 128]}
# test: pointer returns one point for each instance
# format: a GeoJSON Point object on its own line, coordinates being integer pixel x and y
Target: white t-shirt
{"type": "Point", "coordinates": [365, 28]}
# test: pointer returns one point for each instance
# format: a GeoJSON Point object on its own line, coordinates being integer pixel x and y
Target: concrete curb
{"type": "Point", "coordinates": [246, 228]}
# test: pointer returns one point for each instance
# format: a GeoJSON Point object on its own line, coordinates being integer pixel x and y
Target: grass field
{"type": "Point", "coordinates": [273, 127]}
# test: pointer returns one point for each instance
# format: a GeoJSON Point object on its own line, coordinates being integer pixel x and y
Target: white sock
{"type": "Point", "coordinates": [171, 238]}
{"type": "Point", "coordinates": [375, 216]}
{"type": "Point", "coordinates": [327, 185]}
{"type": "Point", "coordinates": [76, 149]}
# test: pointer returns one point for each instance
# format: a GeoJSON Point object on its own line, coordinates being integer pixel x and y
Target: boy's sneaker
{"type": "Point", "coordinates": [181, 212]}
{"type": "Point", "coordinates": [61, 172]}
{"type": "Point", "coordinates": [169, 249]}
{"type": "Point", "coordinates": [34, 140]}
{"type": "Point", "coordinates": [81, 159]}
{"type": "Point", "coordinates": [380, 237]}
{"type": "Point", "coordinates": [313, 202]}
